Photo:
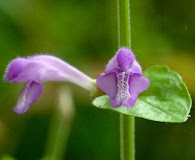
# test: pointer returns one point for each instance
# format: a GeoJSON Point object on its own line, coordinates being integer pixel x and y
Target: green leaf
{"type": "Point", "coordinates": [166, 100]}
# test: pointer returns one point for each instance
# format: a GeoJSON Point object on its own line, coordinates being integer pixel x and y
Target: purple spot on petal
{"type": "Point", "coordinates": [122, 87]}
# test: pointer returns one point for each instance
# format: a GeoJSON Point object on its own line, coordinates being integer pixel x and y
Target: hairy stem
{"type": "Point", "coordinates": [127, 123]}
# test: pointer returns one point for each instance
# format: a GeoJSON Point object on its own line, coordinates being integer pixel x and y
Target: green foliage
{"type": "Point", "coordinates": [7, 157]}
{"type": "Point", "coordinates": [166, 100]}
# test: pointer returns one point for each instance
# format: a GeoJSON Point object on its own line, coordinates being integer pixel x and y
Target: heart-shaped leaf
{"type": "Point", "coordinates": [166, 100]}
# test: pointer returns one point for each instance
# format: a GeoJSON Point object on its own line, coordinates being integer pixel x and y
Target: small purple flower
{"type": "Point", "coordinates": [123, 79]}
{"type": "Point", "coordinates": [36, 69]}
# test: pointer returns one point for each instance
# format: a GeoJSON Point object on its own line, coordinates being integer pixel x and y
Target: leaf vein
{"type": "Point", "coordinates": [158, 108]}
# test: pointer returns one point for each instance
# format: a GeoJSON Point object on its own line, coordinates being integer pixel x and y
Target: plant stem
{"type": "Point", "coordinates": [124, 28]}
{"type": "Point", "coordinates": [60, 126]}
{"type": "Point", "coordinates": [127, 123]}
{"type": "Point", "coordinates": [127, 137]}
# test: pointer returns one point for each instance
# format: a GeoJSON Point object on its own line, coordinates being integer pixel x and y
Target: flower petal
{"type": "Point", "coordinates": [108, 84]}
{"type": "Point", "coordinates": [138, 84]}
{"type": "Point", "coordinates": [30, 94]}
{"type": "Point", "coordinates": [112, 65]}
{"type": "Point", "coordinates": [46, 68]}
{"type": "Point", "coordinates": [135, 68]}
{"type": "Point", "coordinates": [125, 58]}
{"type": "Point", "coordinates": [14, 69]}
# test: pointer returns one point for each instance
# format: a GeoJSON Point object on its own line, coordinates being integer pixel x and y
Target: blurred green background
{"type": "Point", "coordinates": [84, 33]}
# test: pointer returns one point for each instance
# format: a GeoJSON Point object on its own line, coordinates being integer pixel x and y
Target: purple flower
{"type": "Point", "coordinates": [123, 79]}
{"type": "Point", "coordinates": [36, 69]}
